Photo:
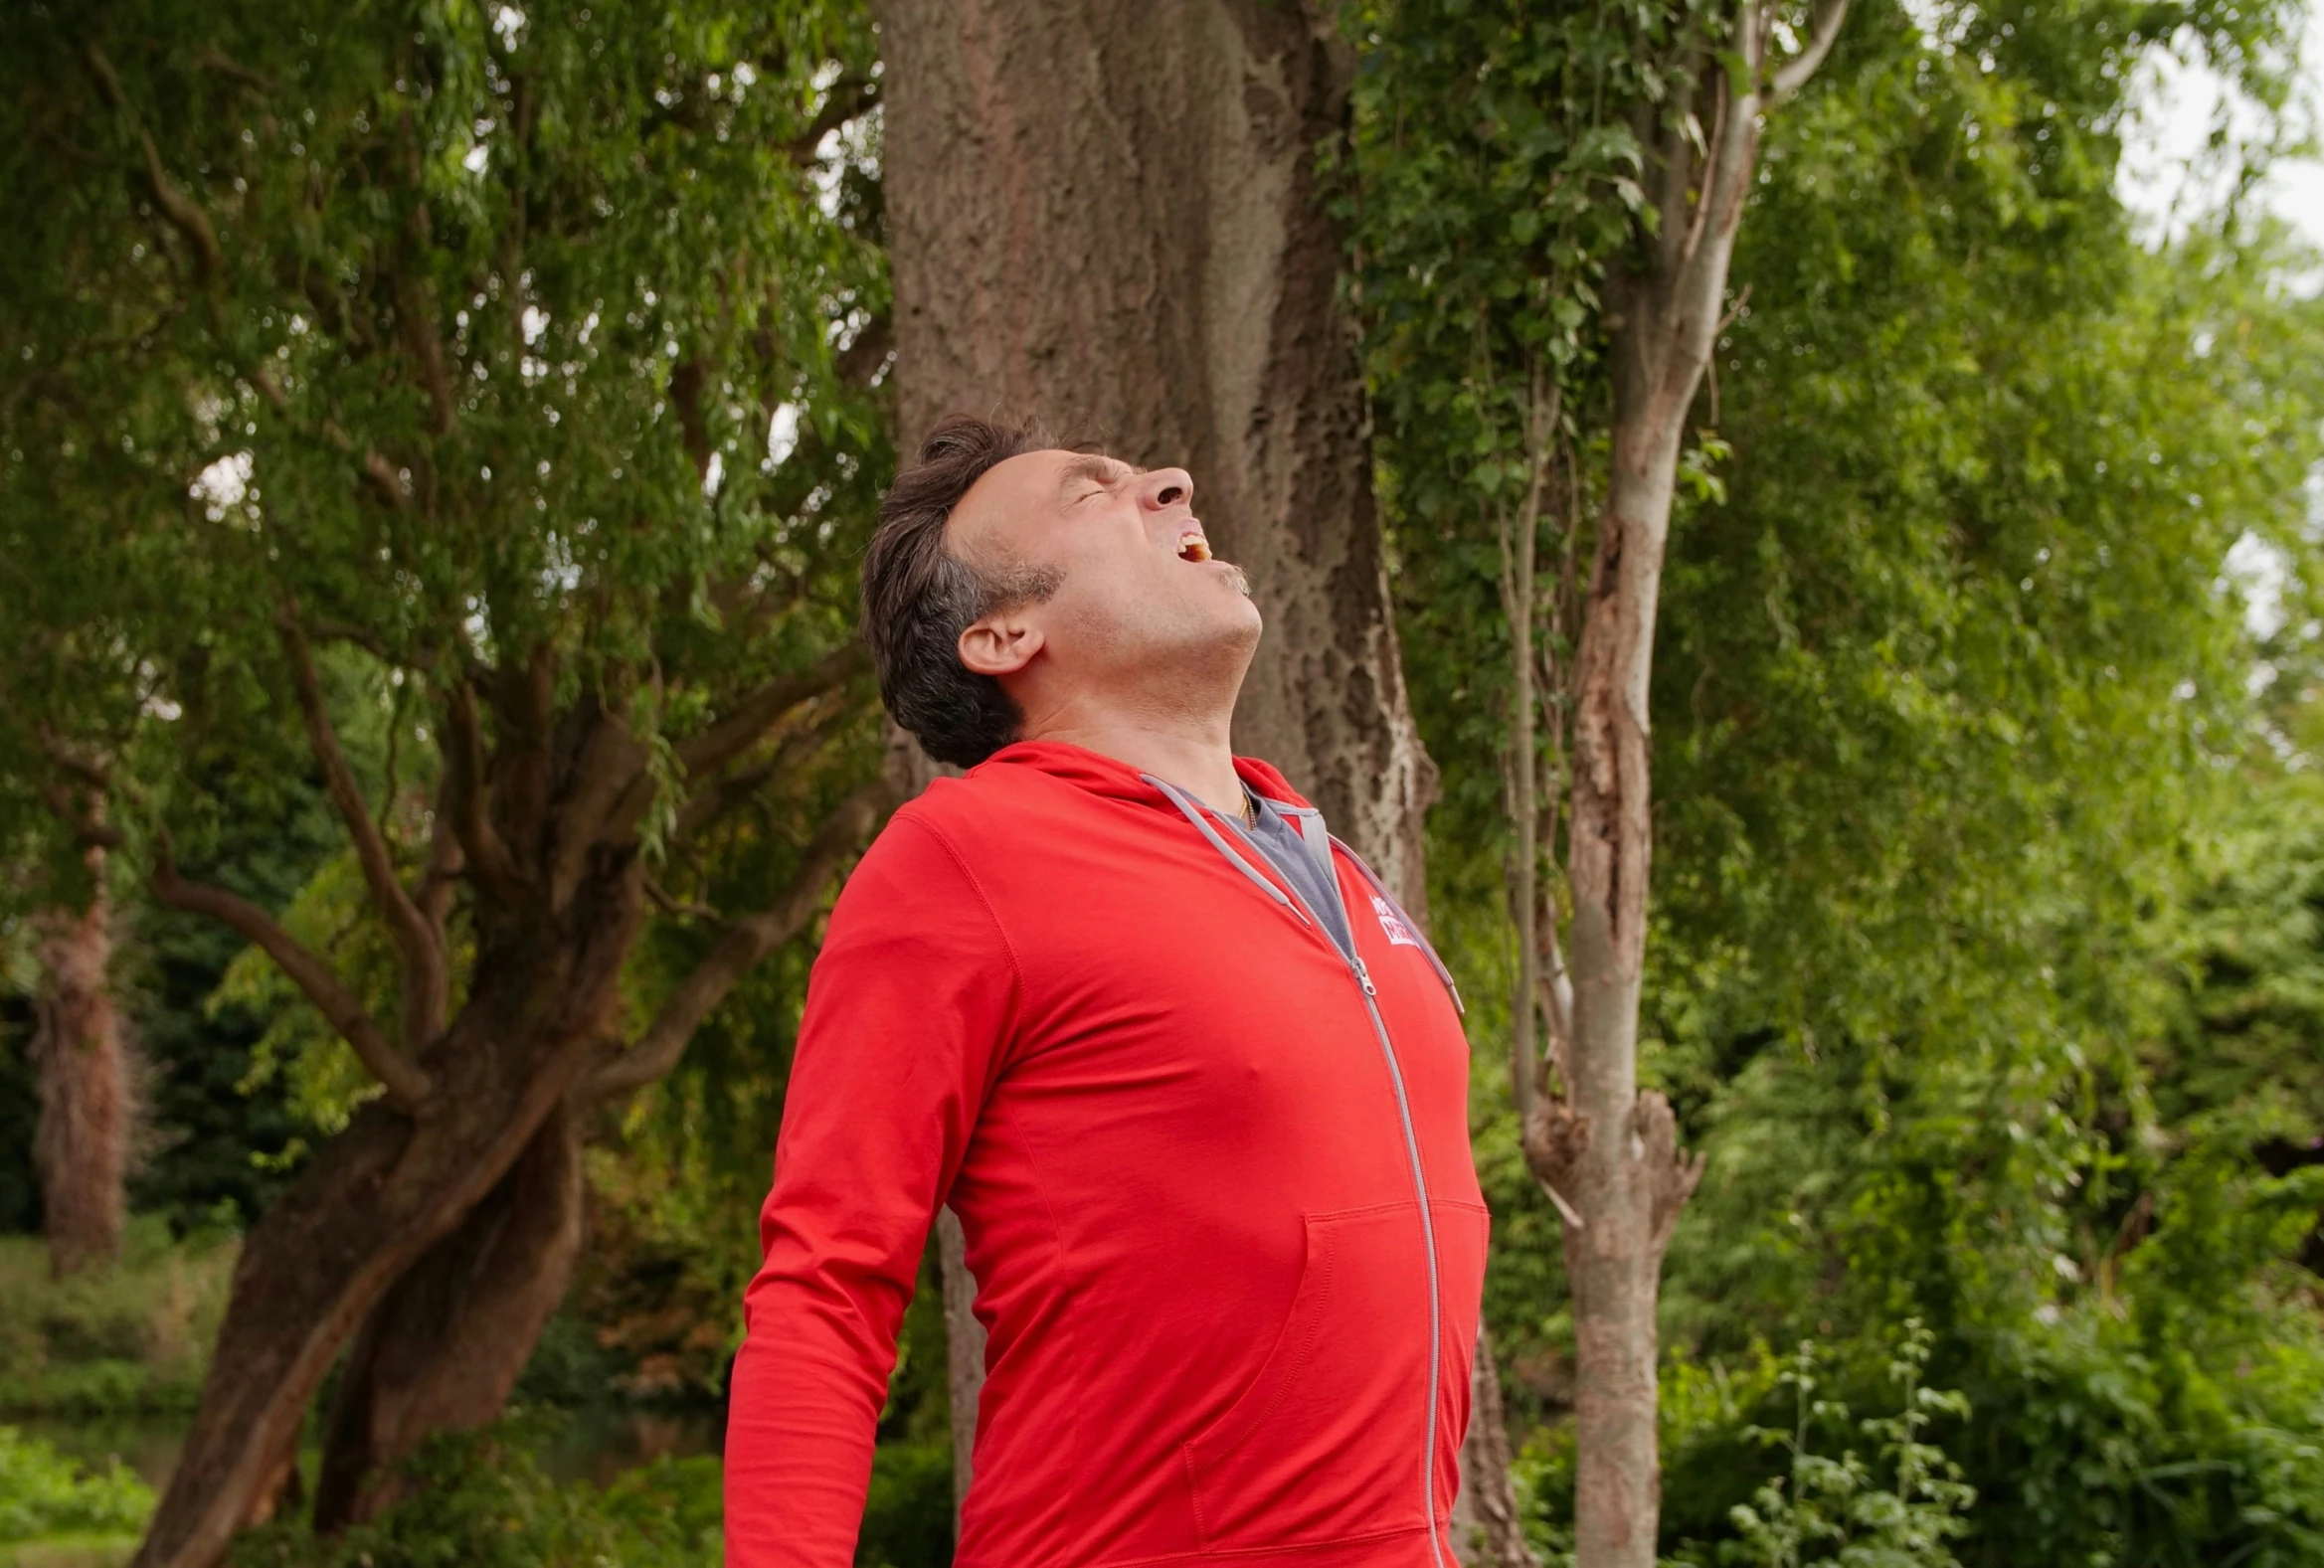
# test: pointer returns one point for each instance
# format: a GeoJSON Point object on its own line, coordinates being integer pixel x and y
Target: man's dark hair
{"type": "Point", "coordinates": [919, 597]}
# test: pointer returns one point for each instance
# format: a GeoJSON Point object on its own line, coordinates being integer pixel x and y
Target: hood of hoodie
{"type": "Point", "coordinates": [1111, 777]}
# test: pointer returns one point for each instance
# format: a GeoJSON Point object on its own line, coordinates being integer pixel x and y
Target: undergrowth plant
{"type": "Point", "coordinates": [1898, 1508]}
{"type": "Point", "coordinates": [45, 1495]}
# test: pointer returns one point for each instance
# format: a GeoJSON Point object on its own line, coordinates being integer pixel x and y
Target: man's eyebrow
{"type": "Point", "coordinates": [1097, 468]}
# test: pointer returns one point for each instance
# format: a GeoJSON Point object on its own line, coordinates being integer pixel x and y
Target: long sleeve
{"type": "Point", "coordinates": [907, 1011]}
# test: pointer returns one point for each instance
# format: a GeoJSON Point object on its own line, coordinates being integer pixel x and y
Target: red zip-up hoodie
{"type": "Point", "coordinates": [1214, 1178]}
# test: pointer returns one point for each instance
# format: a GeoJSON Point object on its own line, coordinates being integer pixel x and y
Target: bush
{"type": "Point", "coordinates": [133, 1338]}
{"type": "Point", "coordinates": [1900, 1510]}
{"type": "Point", "coordinates": [908, 1511]}
{"type": "Point", "coordinates": [42, 1494]}
{"type": "Point", "coordinates": [482, 1501]}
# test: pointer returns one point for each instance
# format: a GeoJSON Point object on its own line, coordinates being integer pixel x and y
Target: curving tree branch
{"type": "Point", "coordinates": [426, 974]}
{"type": "Point", "coordinates": [461, 798]}
{"type": "Point", "coordinates": [181, 211]}
{"type": "Point", "coordinates": [751, 938]}
{"type": "Point", "coordinates": [816, 727]}
{"type": "Point", "coordinates": [757, 713]}
{"type": "Point", "coordinates": [1794, 72]}
{"type": "Point", "coordinates": [407, 1085]}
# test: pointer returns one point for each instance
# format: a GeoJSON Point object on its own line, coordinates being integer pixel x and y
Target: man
{"type": "Point", "coordinates": [1193, 1084]}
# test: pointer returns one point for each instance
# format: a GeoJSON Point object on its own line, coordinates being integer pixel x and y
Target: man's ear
{"type": "Point", "coordinates": [1000, 644]}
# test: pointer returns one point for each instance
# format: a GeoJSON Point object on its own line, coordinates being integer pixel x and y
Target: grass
{"type": "Point", "coordinates": [71, 1551]}
{"type": "Point", "coordinates": [56, 1512]}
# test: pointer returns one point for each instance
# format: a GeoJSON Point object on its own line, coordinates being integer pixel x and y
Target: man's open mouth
{"type": "Point", "coordinates": [1193, 547]}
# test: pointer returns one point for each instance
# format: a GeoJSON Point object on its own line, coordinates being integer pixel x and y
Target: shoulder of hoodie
{"type": "Point", "coordinates": [941, 844]}
{"type": "Point", "coordinates": [990, 807]}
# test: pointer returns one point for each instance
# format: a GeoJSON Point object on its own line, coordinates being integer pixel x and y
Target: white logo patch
{"type": "Point", "coordinates": [1399, 933]}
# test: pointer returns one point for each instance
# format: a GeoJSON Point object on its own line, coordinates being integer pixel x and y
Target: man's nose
{"type": "Point", "coordinates": [1162, 488]}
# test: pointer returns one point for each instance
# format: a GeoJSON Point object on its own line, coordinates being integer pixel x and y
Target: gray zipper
{"type": "Point", "coordinates": [1362, 974]}
{"type": "Point", "coordinates": [1428, 1238]}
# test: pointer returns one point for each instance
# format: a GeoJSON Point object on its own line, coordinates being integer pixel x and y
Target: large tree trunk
{"type": "Point", "coordinates": [88, 1096]}
{"type": "Point", "coordinates": [964, 1348]}
{"type": "Point", "coordinates": [1106, 214]}
{"type": "Point", "coordinates": [1106, 217]}
{"type": "Point", "coordinates": [378, 1197]}
{"type": "Point", "coordinates": [909, 769]}
{"type": "Point", "coordinates": [443, 1350]}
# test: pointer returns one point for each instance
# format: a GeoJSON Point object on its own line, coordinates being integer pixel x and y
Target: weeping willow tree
{"type": "Point", "coordinates": [472, 410]}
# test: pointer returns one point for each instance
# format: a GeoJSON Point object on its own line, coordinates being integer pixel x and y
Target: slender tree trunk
{"type": "Point", "coordinates": [87, 1094]}
{"type": "Point", "coordinates": [1486, 1530]}
{"type": "Point", "coordinates": [1496, 1534]}
{"type": "Point", "coordinates": [443, 1350]}
{"type": "Point", "coordinates": [1606, 1147]}
{"type": "Point", "coordinates": [1520, 553]}
{"type": "Point", "coordinates": [1609, 1149]}
{"type": "Point", "coordinates": [1106, 214]}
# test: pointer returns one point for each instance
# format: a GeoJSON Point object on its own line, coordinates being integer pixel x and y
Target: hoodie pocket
{"type": "Point", "coordinates": [1327, 1440]}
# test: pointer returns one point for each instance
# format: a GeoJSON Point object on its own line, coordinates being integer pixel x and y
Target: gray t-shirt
{"type": "Point", "coordinates": [1280, 841]}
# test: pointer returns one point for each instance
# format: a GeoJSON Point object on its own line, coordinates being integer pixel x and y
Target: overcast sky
{"type": "Point", "coordinates": [2161, 151]}
{"type": "Point", "coordinates": [2163, 166]}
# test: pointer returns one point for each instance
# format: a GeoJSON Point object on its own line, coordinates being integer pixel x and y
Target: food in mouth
{"type": "Point", "coordinates": [1193, 547]}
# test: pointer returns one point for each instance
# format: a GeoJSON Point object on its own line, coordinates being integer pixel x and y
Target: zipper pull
{"type": "Point", "coordinates": [1363, 978]}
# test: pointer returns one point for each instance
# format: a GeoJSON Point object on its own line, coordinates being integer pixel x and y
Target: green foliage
{"type": "Point", "coordinates": [322, 1079]}
{"type": "Point", "coordinates": [461, 331]}
{"type": "Point", "coordinates": [1981, 957]}
{"type": "Point", "coordinates": [908, 1512]}
{"type": "Point", "coordinates": [42, 1494]}
{"type": "Point", "coordinates": [219, 1145]}
{"type": "Point", "coordinates": [1897, 1509]}
{"type": "Point", "coordinates": [134, 1337]}
{"type": "Point", "coordinates": [481, 343]}
{"type": "Point", "coordinates": [481, 1500]}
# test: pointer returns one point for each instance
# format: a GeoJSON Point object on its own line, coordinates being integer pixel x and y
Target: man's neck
{"type": "Point", "coordinates": [1195, 754]}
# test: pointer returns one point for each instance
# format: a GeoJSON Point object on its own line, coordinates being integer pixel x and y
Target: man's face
{"type": "Point", "coordinates": [1140, 597]}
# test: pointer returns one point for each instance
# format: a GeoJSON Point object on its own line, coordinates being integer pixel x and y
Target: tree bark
{"type": "Point", "coordinates": [963, 1346]}
{"type": "Point", "coordinates": [1106, 214]}
{"type": "Point", "coordinates": [1486, 1530]}
{"type": "Point", "coordinates": [86, 1091]}
{"type": "Point", "coordinates": [443, 1350]}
